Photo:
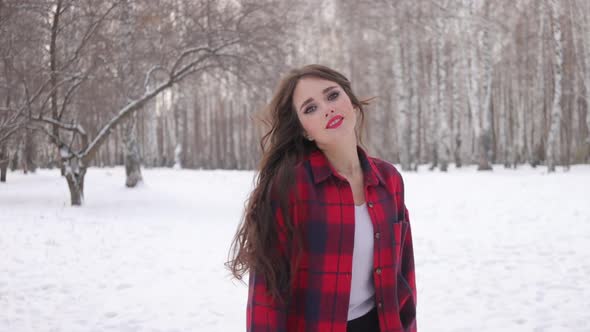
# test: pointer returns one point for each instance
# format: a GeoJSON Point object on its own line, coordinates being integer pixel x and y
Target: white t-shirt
{"type": "Point", "coordinates": [362, 289]}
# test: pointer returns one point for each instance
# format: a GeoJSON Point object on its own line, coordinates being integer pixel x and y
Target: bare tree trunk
{"type": "Point", "coordinates": [185, 153]}
{"type": "Point", "coordinates": [178, 156]}
{"type": "Point", "coordinates": [75, 180]}
{"type": "Point", "coordinates": [520, 132]}
{"type": "Point", "coordinates": [232, 138]}
{"type": "Point", "coordinates": [23, 154]}
{"type": "Point", "coordinates": [131, 154]}
{"type": "Point", "coordinates": [443, 138]}
{"type": "Point", "coordinates": [458, 107]}
{"type": "Point", "coordinates": [517, 102]}
{"type": "Point", "coordinates": [132, 158]}
{"type": "Point", "coordinates": [537, 133]}
{"type": "Point", "coordinates": [403, 125]}
{"type": "Point", "coordinates": [178, 107]}
{"type": "Point", "coordinates": [13, 162]}
{"type": "Point", "coordinates": [434, 118]}
{"type": "Point", "coordinates": [414, 105]}
{"type": "Point", "coordinates": [472, 92]}
{"type": "Point", "coordinates": [555, 122]}
{"type": "Point", "coordinates": [457, 113]}
{"type": "Point", "coordinates": [505, 122]}
{"type": "Point", "coordinates": [29, 154]}
{"type": "Point", "coordinates": [159, 157]}
{"type": "Point", "coordinates": [582, 8]}
{"type": "Point", "coordinates": [486, 109]}
{"type": "Point", "coordinates": [3, 163]}
{"type": "Point", "coordinates": [55, 25]}
{"type": "Point", "coordinates": [199, 131]}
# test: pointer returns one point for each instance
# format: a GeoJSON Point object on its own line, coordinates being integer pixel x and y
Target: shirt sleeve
{"type": "Point", "coordinates": [408, 307]}
{"type": "Point", "coordinates": [264, 313]}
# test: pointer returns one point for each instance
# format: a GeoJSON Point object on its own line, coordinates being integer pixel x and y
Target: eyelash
{"type": "Point", "coordinates": [334, 94]}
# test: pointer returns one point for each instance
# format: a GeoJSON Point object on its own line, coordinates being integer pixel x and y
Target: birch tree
{"type": "Point", "coordinates": [581, 21]}
{"type": "Point", "coordinates": [442, 112]}
{"type": "Point", "coordinates": [402, 93]}
{"type": "Point", "coordinates": [480, 71]}
{"type": "Point", "coordinates": [554, 8]}
{"type": "Point", "coordinates": [129, 131]}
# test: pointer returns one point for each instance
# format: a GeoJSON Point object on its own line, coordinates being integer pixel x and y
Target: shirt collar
{"type": "Point", "coordinates": [322, 169]}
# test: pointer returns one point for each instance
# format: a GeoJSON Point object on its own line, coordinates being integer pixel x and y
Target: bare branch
{"type": "Point", "coordinates": [87, 35]}
{"type": "Point", "coordinates": [8, 131]}
{"type": "Point", "coordinates": [176, 76]}
{"type": "Point", "coordinates": [69, 127]}
{"type": "Point", "coordinates": [59, 141]}
{"type": "Point", "coordinates": [69, 95]}
{"type": "Point", "coordinates": [148, 75]}
{"type": "Point", "coordinates": [88, 154]}
{"type": "Point", "coordinates": [185, 54]}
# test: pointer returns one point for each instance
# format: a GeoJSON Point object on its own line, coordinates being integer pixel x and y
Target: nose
{"type": "Point", "coordinates": [328, 113]}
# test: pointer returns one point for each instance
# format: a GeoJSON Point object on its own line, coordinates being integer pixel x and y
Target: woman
{"type": "Point", "coordinates": [325, 236]}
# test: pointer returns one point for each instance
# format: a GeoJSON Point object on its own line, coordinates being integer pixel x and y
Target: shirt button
{"type": "Point", "coordinates": [380, 305]}
{"type": "Point", "coordinates": [377, 235]}
{"type": "Point", "coordinates": [370, 204]}
{"type": "Point", "coordinates": [378, 270]}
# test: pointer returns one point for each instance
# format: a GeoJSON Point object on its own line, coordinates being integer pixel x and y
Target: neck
{"type": "Point", "coordinates": [344, 159]}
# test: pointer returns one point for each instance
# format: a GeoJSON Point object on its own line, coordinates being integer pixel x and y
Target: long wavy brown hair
{"type": "Point", "coordinates": [255, 244]}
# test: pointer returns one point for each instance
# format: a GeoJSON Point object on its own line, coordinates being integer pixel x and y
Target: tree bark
{"type": "Point", "coordinates": [537, 132]}
{"type": "Point", "coordinates": [485, 139]}
{"type": "Point", "coordinates": [131, 154]}
{"type": "Point", "coordinates": [434, 117]}
{"type": "Point", "coordinates": [414, 104]}
{"type": "Point", "coordinates": [75, 172]}
{"type": "Point", "coordinates": [555, 121]}
{"type": "Point", "coordinates": [3, 163]}
{"type": "Point", "coordinates": [583, 7]}
{"type": "Point", "coordinates": [403, 125]}
{"type": "Point", "coordinates": [132, 157]}
{"type": "Point", "coordinates": [29, 154]}
{"type": "Point", "coordinates": [472, 92]}
{"type": "Point", "coordinates": [443, 139]}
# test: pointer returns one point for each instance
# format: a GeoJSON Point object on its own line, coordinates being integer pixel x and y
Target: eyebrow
{"type": "Point", "coordinates": [311, 99]}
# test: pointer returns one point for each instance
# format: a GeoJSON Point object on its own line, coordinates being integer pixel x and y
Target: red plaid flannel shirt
{"type": "Point", "coordinates": [324, 213]}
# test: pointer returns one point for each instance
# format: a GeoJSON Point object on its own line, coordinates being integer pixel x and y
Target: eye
{"type": "Point", "coordinates": [309, 109]}
{"type": "Point", "coordinates": [333, 95]}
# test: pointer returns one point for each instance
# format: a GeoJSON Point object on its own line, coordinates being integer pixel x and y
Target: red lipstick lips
{"type": "Point", "coordinates": [335, 122]}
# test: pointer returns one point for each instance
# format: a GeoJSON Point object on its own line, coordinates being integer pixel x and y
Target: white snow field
{"type": "Point", "coordinates": [507, 250]}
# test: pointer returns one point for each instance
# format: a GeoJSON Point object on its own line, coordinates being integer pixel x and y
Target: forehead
{"type": "Point", "coordinates": [310, 87]}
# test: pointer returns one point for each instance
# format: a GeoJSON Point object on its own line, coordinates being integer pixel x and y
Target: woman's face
{"type": "Point", "coordinates": [324, 110]}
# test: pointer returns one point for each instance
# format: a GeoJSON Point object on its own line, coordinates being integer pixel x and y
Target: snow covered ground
{"type": "Point", "coordinates": [501, 251]}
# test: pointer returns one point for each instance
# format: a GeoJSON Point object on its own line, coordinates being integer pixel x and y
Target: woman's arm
{"type": "Point", "coordinates": [408, 308]}
{"type": "Point", "coordinates": [264, 313]}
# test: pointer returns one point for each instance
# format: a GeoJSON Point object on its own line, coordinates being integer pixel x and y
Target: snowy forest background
{"type": "Point", "coordinates": [179, 83]}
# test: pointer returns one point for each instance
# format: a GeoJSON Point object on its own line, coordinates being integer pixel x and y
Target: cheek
{"type": "Point", "coordinates": [311, 123]}
{"type": "Point", "coordinates": [306, 123]}
{"type": "Point", "coordinates": [346, 107]}
{"type": "Point", "coordinates": [344, 104]}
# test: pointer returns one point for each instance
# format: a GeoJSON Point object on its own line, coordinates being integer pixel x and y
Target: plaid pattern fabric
{"type": "Point", "coordinates": [324, 213]}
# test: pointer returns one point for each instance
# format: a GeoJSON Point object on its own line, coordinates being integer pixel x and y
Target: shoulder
{"type": "Point", "coordinates": [303, 175]}
{"type": "Point", "coordinates": [385, 167]}
{"type": "Point", "coordinates": [388, 172]}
